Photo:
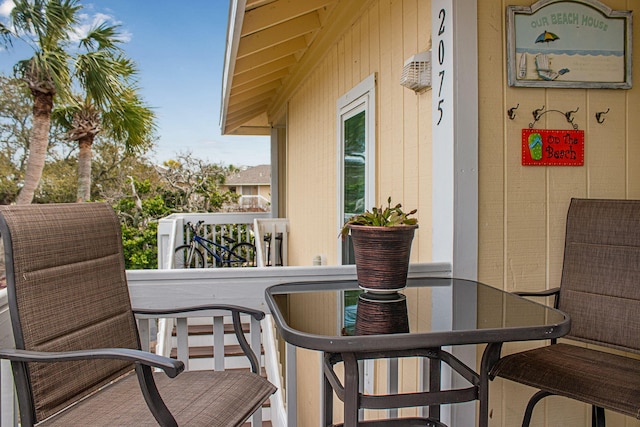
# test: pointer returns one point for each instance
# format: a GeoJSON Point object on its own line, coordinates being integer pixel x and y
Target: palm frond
{"type": "Point", "coordinates": [6, 36]}
{"type": "Point", "coordinates": [63, 115]}
{"type": "Point", "coordinates": [60, 16]}
{"type": "Point", "coordinates": [131, 121]}
{"type": "Point", "coordinates": [103, 37]}
{"type": "Point", "coordinates": [102, 76]}
{"type": "Point", "coordinates": [27, 16]}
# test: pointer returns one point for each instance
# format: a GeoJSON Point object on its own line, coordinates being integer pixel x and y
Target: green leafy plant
{"type": "Point", "coordinates": [378, 217]}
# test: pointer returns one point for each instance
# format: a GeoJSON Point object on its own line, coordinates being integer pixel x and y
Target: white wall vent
{"type": "Point", "coordinates": [416, 73]}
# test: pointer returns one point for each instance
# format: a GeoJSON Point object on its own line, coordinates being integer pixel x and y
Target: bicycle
{"type": "Point", "coordinates": [241, 254]}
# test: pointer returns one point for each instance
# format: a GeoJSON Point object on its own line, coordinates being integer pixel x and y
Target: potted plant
{"type": "Point", "coordinates": [382, 246]}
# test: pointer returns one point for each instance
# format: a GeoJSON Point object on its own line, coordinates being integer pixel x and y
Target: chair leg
{"type": "Point", "coordinates": [597, 416]}
{"type": "Point", "coordinates": [532, 402]}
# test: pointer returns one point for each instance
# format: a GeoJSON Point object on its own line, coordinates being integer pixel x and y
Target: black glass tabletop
{"type": "Point", "coordinates": [430, 312]}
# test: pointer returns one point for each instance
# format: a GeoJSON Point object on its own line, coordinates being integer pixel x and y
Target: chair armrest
{"type": "Point", "coordinates": [555, 292]}
{"type": "Point", "coordinates": [257, 314]}
{"type": "Point", "coordinates": [170, 366]}
{"type": "Point", "coordinates": [545, 293]}
{"type": "Point", "coordinates": [237, 324]}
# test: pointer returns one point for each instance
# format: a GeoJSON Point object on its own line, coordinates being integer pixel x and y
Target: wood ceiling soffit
{"type": "Point", "coordinates": [232, 125]}
{"type": "Point", "coordinates": [274, 35]}
{"type": "Point", "coordinates": [259, 74]}
{"type": "Point", "coordinates": [254, 94]}
{"type": "Point", "coordinates": [265, 79]}
{"type": "Point", "coordinates": [278, 12]}
{"type": "Point", "coordinates": [325, 11]}
{"type": "Point", "coordinates": [272, 53]}
{"type": "Point", "coordinates": [247, 115]}
{"type": "Point", "coordinates": [244, 119]}
{"type": "Point", "coordinates": [258, 121]}
{"type": "Point", "coordinates": [248, 111]}
{"type": "Point", "coordinates": [240, 119]}
{"type": "Point", "coordinates": [263, 69]}
{"type": "Point", "coordinates": [245, 130]}
{"type": "Point", "coordinates": [252, 4]}
{"type": "Point", "coordinates": [340, 18]}
{"type": "Point", "coordinates": [240, 106]}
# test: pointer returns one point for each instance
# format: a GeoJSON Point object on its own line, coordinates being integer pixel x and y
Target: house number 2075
{"type": "Point", "coordinates": [441, 57]}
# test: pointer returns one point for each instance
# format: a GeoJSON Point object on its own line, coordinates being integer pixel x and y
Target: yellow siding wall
{"type": "Point", "coordinates": [378, 42]}
{"type": "Point", "coordinates": [522, 209]}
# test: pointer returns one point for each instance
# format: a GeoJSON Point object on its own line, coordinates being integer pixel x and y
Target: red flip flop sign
{"type": "Point", "coordinates": [546, 147]}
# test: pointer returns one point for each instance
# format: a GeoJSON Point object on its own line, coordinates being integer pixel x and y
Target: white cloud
{"type": "Point", "coordinates": [6, 7]}
{"type": "Point", "coordinates": [86, 22]}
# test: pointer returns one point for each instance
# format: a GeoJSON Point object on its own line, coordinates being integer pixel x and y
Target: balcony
{"type": "Point", "coordinates": [169, 288]}
{"type": "Point", "coordinates": [253, 204]}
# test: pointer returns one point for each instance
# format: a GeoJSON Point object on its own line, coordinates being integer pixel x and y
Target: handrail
{"type": "Point", "coordinates": [278, 411]}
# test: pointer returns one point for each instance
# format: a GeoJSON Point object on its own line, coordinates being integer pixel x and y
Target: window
{"type": "Point", "coordinates": [249, 190]}
{"type": "Point", "coordinates": [356, 158]}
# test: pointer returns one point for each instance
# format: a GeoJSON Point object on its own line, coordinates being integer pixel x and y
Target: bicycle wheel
{"type": "Point", "coordinates": [241, 255]}
{"type": "Point", "coordinates": [186, 256]}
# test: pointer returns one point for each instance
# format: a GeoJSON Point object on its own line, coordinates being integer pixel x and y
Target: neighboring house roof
{"type": "Point", "coordinates": [256, 175]}
{"type": "Point", "coordinates": [271, 43]}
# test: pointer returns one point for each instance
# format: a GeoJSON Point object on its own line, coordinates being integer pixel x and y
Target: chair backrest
{"type": "Point", "coordinates": [600, 288]}
{"type": "Point", "coordinates": [67, 291]}
{"type": "Point", "coordinates": [278, 247]}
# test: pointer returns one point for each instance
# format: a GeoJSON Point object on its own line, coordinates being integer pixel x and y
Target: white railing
{"type": "Point", "coordinates": [254, 202]}
{"type": "Point", "coordinates": [272, 241]}
{"type": "Point", "coordinates": [171, 230]}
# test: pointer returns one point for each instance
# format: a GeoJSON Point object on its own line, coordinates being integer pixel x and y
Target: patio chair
{"type": "Point", "coordinates": [78, 358]}
{"type": "Point", "coordinates": [600, 291]}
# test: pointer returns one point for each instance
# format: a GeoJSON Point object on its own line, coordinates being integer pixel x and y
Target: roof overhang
{"type": "Point", "coordinates": [270, 43]}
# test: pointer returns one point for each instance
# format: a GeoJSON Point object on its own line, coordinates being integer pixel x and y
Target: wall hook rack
{"type": "Point", "coordinates": [599, 115]}
{"type": "Point", "coordinates": [538, 113]}
{"type": "Point", "coordinates": [511, 112]}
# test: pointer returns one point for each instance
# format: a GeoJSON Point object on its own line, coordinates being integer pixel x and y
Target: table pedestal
{"type": "Point", "coordinates": [433, 398]}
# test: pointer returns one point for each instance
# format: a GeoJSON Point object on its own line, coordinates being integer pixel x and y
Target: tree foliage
{"type": "Point", "coordinates": [109, 101]}
{"type": "Point", "coordinates": [45, 26]}
{"type": "Point", "coordinates": [15, 130]}
{"type": "Point", "coordinates": [141, 199]}
{"type": "Point", "coordinates": [140, 191]}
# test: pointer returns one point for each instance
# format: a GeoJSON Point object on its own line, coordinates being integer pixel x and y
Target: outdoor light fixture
{"type": "Point", "coordinates": [416, 73]}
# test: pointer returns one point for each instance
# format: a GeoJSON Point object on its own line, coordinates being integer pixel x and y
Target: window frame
{"type": "Point", "coordinates": [360, 98]}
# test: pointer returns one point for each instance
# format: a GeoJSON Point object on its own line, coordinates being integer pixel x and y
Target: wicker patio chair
{"type": "Point", "coordinates": [78, 360]}
{"type": "Point", "coordinates": [600, 290]}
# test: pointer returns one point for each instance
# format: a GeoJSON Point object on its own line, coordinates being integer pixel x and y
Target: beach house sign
{"type": "Point", "coordinates": [569, 44]}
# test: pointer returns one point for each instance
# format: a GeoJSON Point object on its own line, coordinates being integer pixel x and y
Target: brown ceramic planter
{"type": "Point", "coordinates": [382, 256]}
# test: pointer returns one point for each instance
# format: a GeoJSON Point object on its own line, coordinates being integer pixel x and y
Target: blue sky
{"type": "Point", "coordinates": [179, 48]}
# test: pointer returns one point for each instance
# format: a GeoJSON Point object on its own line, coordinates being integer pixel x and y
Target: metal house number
{"type": "Point", "coordinates": [441, 56]}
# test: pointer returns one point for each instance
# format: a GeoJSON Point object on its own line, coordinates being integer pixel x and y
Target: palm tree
{"type": "Point", "coordinates": [110, 100]}
{"type": "Point", "coordinates": [45, 25]}
{"type": "Point", "coordinates": [110, 103]}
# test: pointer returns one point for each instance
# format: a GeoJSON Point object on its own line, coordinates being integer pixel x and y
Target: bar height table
{"type": "Point", "coordinates": [422, 320]}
